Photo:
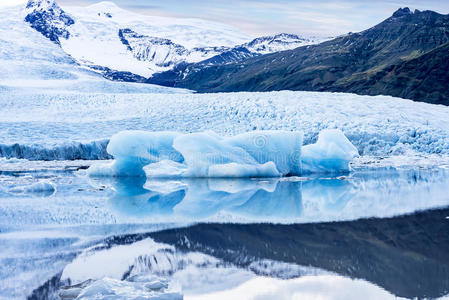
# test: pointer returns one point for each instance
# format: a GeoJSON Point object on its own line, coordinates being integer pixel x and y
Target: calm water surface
{"type": "Point", "coordinates": [375, 233]}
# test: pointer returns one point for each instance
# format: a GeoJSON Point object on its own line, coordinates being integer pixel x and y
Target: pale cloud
{"type": "Point", "coordinates": [8, 3]}
{"type": "Point", "coordinates": [262, 17]}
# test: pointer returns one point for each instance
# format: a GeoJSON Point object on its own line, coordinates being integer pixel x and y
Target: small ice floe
{"type": "Point", "coordinates": [41, 188]}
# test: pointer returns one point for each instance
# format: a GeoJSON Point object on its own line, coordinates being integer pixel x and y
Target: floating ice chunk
{"type": "Point", "coordinates": [206, 154]}
{"type": "Point", "coordinates": [41, 188]}
{"type": "Point", "coordinates": [283, 148]}
{"type": "Point", "coordinates": [165, 169]}
{"type": "Point", "coordinates": [331, 153]}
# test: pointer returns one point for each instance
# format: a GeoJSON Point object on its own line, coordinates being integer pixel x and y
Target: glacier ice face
{"type": "Point", "coordinates": [45, 125]}
{"type": "Point", "coordinates": [331, 153]}
{"type": "Point", "coordinates": [206, 154]}
{"type": "Point", "coordinates": [69, 151]}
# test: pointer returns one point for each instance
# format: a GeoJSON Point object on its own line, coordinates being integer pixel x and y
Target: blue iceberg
{"type": "Point", "coordinates": [206, 154]}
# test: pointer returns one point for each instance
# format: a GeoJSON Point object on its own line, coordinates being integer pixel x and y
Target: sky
{"type": "Point", "coordinates": [263, 17]}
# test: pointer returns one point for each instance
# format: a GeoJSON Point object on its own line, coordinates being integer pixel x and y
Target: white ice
{"type": "Point", "coordinates": [113, 289]}
{"type": "Point", "coordinates": [46, 125]}
{"type": "Point", "coordinates": [41, 188]}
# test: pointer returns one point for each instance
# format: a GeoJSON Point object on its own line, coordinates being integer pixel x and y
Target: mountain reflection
{"type": "Point", "coordinates": [408, 256]}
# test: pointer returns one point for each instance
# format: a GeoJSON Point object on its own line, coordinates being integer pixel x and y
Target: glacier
{"type": "Point", "coordinates": [206, 154]}
{"type": "Point", "coordinates": [76, 125]}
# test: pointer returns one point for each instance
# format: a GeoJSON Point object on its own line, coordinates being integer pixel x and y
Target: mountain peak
{"type": "Point", "coordinates": [105, 6]}
{"type": "Point", "coordinates": [402, 12]}
{"type": "Point", "coordinates": [286, 35]}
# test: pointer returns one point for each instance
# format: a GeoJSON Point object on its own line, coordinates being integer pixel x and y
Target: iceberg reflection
{"type": "Point", "coordinates": [202, 199]}
{"type": "Point", "coordinates": [279, 200]}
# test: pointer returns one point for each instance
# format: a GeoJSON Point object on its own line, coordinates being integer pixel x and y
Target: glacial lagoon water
{"type": "Point", "coordinates": [380, 232]}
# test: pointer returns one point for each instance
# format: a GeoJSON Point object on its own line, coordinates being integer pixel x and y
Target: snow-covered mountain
{"type": "Point", "coordinates": [94, 36]}
{"type": "Point", "coordinates": [163, 52]}
{"type": "Point", "coordinates": [107, 38]}
{"type": "Point", "coordinates": [260, 46]}
{"type": "Point", "coordinates": [31, 63]}
{"type": "Point", "coordinates": [279, 42]}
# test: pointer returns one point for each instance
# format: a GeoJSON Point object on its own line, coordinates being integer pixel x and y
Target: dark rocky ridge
{"type": "Point", "coordinates": [402, 56]}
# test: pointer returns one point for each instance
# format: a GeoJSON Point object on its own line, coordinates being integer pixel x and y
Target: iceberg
{"type": "Point", "coordinates": [206, 154]}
